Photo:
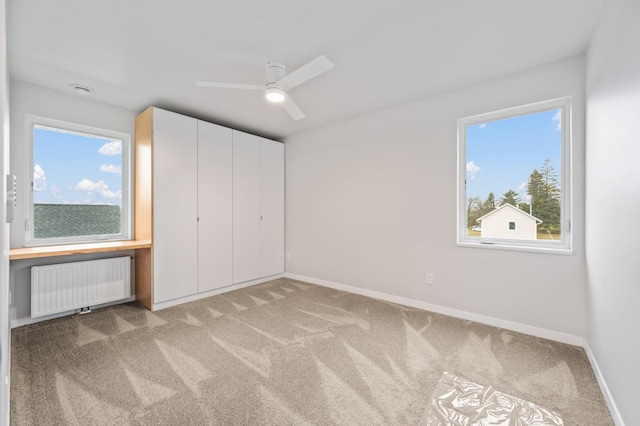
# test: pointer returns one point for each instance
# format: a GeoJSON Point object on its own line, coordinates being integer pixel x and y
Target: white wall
{"type": "Point", "coordinates": [613, 203]}
{"type": "Point", "coordinates": [371, 203]}
{"type": "Point", "coordinates": [5, 334]}
{"type": "Point", "coordinates": [30, 99]}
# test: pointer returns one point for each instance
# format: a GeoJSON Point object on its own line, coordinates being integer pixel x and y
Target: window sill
{"type": "Point", "coordinates": [71, 249]}
{"type": "Point", "coordinates": [561, 250]}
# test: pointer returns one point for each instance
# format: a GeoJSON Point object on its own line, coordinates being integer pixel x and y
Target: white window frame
{"type": "Point", "coordinates": [31, 121]}
{"type": "Point", "coordinates": [564, 246]}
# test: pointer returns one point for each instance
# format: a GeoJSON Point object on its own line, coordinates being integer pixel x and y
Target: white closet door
{"type": "Point", "coordinates": [215, 209]}
{"type": "Point", "coordinates": [175, 230]}
{"type": "Point", "coordinates": [272, 208]}
{"type": "Point", "coordinates": [246, 207]}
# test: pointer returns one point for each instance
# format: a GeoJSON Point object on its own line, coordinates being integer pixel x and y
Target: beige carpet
{"type": "Point", "coordinates": [280, 353]}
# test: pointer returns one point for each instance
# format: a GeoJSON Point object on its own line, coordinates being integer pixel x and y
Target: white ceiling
{"type": "Point", "coordinates": [136, 53]}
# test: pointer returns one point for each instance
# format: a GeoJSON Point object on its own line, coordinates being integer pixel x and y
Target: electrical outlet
{"type": "Point", "coordinates": [429, 277]}
{"type": "Point", "coordinates": [288, 256]}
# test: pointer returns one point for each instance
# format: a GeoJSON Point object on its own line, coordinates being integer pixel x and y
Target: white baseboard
{"type": "Point", "coordinates": [483, 319]}
{"type": "Point", "coordinates": [181, 300]}
{"type": "Point", "coordinates": [613, 408]}
{"type": "Point", "coordinates": [156, 306]}
{"type": "Point", "coordinates": [28, 320]}
{"type": "Point", "coordinates": [496, 322]}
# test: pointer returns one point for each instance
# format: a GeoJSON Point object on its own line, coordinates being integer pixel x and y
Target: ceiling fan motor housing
{"type": "Point", "coordinates": [275, 72]}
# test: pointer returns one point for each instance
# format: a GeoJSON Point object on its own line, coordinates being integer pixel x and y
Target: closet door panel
{"type": "Point", "coordinates": [272, 208]}
{"type": "Point", "coordinates": [174, 205]}
{"type": "Point", "coordinates": [246, 207]}
{"type": "Point", "coordinates": [215, 209]}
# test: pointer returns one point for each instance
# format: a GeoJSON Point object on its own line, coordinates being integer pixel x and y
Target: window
{"type": "Point", "coordinates": [514, 166]}
{"type": "Point", "coordinates": [80, 186]}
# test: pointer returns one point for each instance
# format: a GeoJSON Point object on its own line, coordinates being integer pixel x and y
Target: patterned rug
{"type": "Point", "coordinates": [280, 353]}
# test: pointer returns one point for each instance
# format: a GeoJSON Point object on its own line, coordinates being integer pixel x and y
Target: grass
{"type": "Point", "coordinates": [541, 235]}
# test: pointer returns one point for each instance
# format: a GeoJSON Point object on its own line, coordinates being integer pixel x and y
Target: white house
{"type": "Point", "coordinates": [508, 221]}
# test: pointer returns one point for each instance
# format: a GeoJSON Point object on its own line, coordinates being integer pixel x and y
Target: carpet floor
{"type": "Point", "coordinates": [283, 353]}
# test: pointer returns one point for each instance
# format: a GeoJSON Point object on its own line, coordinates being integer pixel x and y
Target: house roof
{"type": "Point", "coordinates": [66, 220]}
{"type": "Point", "coordinates": [508, 206]}
{"type": "Point", "coordinates": [134, 54]}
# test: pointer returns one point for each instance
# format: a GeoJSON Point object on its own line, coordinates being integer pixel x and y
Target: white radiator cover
{"type": "Point", "coordinates": [67, 286]}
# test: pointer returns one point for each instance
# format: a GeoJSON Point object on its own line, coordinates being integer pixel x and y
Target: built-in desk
{"type": "Point", "coordinates": [71, 249]}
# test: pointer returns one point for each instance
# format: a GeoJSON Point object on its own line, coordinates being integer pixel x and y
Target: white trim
{"type": "Point", "coordinates": [28, 320]}
{"type": "Point", "coordinates": [565, 245]}
{"type": "Point", "coordinates": [483, 319]}
{"type": "Point", "coordinates": [613, 408]}
{"type": "Point", "coordinates": [193, 297]}
{"type": "Point", "coordinates": [156, 306]}
{"type": "Point", "coordinates": [490, 243]}
{"type": "Point", "coordinates": [126, 219]}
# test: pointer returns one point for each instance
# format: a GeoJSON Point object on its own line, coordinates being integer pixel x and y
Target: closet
{"type": "Point", "coordinates": [211, 199]}
{"type": "Point", "coordinates": [258, 207]}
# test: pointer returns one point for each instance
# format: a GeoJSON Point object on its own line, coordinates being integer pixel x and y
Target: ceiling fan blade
{"type": "Point", "coordinates": [292, 108]}
{"type": "Point", "coordinates": [306, 72]}
{"type": "Point", "coordinates": [220, 85]}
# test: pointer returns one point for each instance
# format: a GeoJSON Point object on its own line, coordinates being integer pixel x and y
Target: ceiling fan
{"type": "Point", "coordinates": [278, 83]}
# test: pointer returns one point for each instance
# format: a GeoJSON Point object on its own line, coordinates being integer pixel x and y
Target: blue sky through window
{"type": "Point", "coordinates": [502, 154]}
{"type": "Point", "coordinates": [70, 168]}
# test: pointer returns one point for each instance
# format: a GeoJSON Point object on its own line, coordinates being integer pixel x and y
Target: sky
{"type": "Point", "coordinates": [502, 154]}
{"type": "Point", "coordinates": [76, 169]}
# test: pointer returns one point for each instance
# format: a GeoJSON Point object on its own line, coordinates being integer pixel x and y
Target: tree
{"type": "Point", "coordinates": [510, 197]}
{"type": "Point", "coordinates": [490, 204]}
{"type": "Point", "coordinates": [474, 208]}
{"type": "Point", "coordinates": [543, 188]}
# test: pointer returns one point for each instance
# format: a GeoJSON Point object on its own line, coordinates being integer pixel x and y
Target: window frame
{"type": "Point", "coordinates": [126, 220]}
{"type": "Point", "coordinates": [565, 245]}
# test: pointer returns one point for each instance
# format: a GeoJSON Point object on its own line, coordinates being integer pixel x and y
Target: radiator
{"type": "Point", "coordinates": [68, 286]}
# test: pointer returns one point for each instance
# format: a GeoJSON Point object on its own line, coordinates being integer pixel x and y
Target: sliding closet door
{"type": "Point", "coordinates": [175, 229]}
{"type": "Point", "coordinates": [215, 213]}
{"type": "Point", "coordinates": [246, 207]}
{"type": "Point", "coordinates": [272, 208]}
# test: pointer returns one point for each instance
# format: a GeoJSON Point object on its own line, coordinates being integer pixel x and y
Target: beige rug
{"type": "Point", "coordinates": [280, 353]}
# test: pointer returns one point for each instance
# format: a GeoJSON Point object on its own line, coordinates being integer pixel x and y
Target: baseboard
{"type": "Point", "coordinates": [613, 408]}
{"type": "Point", "coordinates": [26, 321]}
{"type": "Point", "coordinates": [483, 319]}
{"type": "Point", "coordinates": [157, 306]}
{"type": "Point", "coordinates": [181, 300]}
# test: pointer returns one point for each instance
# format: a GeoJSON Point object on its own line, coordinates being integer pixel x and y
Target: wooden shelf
{"type": "Point", "coordinates": [70, 249]}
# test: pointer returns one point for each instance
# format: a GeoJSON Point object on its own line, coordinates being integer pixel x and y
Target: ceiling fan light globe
{"type": "Point", "coordinates": [274, 95]}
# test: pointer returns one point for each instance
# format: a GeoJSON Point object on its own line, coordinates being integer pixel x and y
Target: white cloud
{"type": "Point", "coordinates": [107, 193]}
{"type": "Point", "coordinates": [100, 188]}
{"type": "Point", "coordinates": [89, 185]}
{"type": "Point", "coordinates": [55, 191]}
{"type": "Point", "coordinates": [483, 125]}
{"type": "Point", "coordinates": [110, 168]}
{"type": "Point", "coordinates": [523, 188]}
{"type": "Point", "coordinates": [39, 179]}
{"type": "Point", "coordinates": [558, 119]}
{"type": "Point", "coordinates": [111, 148]}
{"type": "Point", "coordinates": [472, 170]}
